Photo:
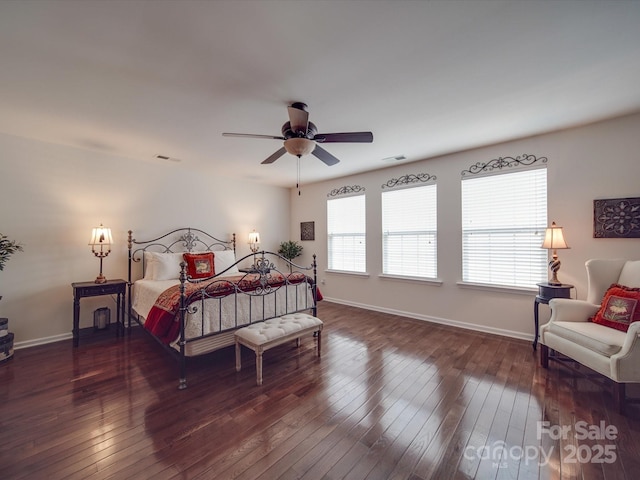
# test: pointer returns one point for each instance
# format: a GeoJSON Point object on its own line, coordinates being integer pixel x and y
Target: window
{"type": "Point", "coordinates": [409, 231]}
{"type": "Point", "coordinates": [346, 228]}
{"type": "Point", "coordinates": [503, 223]}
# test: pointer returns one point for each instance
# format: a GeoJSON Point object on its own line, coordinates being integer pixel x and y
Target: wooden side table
{"type": "Point", "coordinates": [546, 292]}
{"type": "Point", "coordinates": [92, 289]}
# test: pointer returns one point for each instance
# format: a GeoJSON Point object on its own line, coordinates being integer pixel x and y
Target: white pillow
{"type": "Point", "coordinates": [223, 259]}
{"type": "Point", "coordinates": [148, 266]}
{"type": "Point", "coordinates": [630, 275]}
{"type": "Point", "coordinates": [166, 266]}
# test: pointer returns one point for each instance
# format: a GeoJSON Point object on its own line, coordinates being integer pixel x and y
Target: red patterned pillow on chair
{"type": "Point", "coordinates": [620, 307]}
{"type": "Point", "coordinates": [199, 265]}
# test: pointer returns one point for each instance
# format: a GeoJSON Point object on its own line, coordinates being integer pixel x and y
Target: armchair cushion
{"type": "Point", "coordinates": [620, 307]}
{"type": "Point", "coordinates": [604, 341]}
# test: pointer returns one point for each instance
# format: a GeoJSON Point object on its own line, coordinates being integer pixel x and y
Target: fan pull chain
{"type": "Point", "coordinates": [298, 177]}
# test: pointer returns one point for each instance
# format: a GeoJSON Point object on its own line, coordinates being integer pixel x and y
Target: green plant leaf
{"type": "Point", "coordinates": [290, 250]}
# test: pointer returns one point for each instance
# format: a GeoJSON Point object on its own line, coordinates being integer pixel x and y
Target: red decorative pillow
{"type": "Point", "coordinates": [199, 265]}
{"type": "Point", "coordinates": [620, 307]}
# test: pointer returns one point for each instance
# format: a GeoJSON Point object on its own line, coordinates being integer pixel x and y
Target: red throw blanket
{"type": "Point", "coordinates": [164, 317]}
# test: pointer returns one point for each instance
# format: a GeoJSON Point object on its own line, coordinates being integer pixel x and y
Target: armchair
{"type": "Point", "coordinates": [610, 352]}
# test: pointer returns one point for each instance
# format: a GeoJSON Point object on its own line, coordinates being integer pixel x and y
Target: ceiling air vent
{"type": "Point", "coordinates": [397, 158]}
{"type": "Point", "coordinates": [167, 158]}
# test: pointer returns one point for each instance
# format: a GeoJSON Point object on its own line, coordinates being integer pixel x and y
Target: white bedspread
{"type": "Point", "coordinates": [145, 293]}
{"type": "Point", "coordinates": [216, 314]}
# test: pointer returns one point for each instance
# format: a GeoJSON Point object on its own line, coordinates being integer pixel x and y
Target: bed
{"type": "Point", "coordinates": [187, 289]}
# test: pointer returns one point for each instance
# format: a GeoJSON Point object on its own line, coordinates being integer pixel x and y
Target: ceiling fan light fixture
{"type": "Point", "coordinates": [301, 137]}
{"type": "Point", "coordinates": [299, 146]}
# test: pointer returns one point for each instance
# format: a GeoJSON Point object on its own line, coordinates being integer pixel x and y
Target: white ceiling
{"type": "Point", "coordinates": [140, 78]}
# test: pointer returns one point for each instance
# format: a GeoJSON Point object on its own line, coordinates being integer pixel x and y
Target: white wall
{"type": "Point", "coordinates": [587, 163]}
{"type": "Point", "coordinates": [52, 196]}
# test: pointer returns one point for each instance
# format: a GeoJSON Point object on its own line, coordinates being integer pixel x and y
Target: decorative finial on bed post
{"type": "Point", "coordinates": [233, 240]}
{"type": "Point", "coordinates": [130, 240]}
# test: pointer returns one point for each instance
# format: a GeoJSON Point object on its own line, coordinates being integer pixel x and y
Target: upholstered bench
{"type": "Point", "coordinates": [262, 336]}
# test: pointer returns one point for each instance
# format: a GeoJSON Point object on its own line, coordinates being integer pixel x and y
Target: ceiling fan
{"type": "Point", "coordinates": [301, 137]}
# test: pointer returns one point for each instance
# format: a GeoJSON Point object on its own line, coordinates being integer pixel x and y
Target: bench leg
{"type": "Point", "coordinates": [319, 341]}
{"type": "Point", "coordinates": [259, 366]}
{"type": "Point", "coordinates": [238, 357]}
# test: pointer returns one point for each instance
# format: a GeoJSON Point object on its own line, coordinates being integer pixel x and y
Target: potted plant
{"type": "Point", "coordinates": [7, 248]}
{"type": "Point", "coordinates": [290, 250]}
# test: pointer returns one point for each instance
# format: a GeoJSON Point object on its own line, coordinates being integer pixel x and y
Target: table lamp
{"type": "Point", "coordinates": [101, 241]}
{"type": "Point", "coordinates": [554, 240]}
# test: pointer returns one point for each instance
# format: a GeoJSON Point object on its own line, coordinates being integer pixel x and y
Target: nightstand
{"type": "Point", "coordinates": [546, 292]}
{"type": "Point", "coordinates": [92, 289]}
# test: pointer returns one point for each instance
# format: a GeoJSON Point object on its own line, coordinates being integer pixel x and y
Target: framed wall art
{"type": "Point", "coordinates": [307, 231]}
{"type": "Point", "coordinates": [616, 218]}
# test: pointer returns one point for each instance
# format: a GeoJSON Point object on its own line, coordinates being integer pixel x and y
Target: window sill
{"type": "Point", "coordinates": [430, 281]}
{"type": "Point", "coordinates": [498, 288]}
{"type": "Point", "coordinates": [347, 272]}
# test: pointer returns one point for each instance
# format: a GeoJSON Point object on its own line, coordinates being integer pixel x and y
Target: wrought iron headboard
{"type": "Point", "coordinates": [179, 240]}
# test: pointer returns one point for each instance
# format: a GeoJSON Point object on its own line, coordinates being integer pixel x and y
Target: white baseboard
{"type": "Point", "coordinates": [42, 341]}
{"type": "Point", "coordinates": [441, 321]}
{"type": "Point", "coordinates": [401, 313]}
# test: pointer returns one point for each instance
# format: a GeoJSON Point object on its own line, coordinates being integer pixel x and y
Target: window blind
{"type": "Point", "coordinates": [346, 231]}
{"type": "Point", "coordinates": [409, 232]}
{"type": "Point", "coordinates": [504, 218]}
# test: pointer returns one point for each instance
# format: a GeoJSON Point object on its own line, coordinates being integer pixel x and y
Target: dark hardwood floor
{"type": "Point", "coordinates": [391, 398]}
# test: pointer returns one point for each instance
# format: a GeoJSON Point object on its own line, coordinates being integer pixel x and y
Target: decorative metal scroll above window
{"type": "Point", "coordinates": [503, 162]}
{"type": "Point", "coordinates": [346, 190]}
{"type": "Point", "coordinates": [409, 179]}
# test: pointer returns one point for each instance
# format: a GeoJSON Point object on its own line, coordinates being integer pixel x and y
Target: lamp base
{"type": "Point", "coordinates": [101, 278]}
{"type": "Point", "coordinates": [554, 266]}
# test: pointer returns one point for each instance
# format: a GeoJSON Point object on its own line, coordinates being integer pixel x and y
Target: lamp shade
{"type": "Point", "coordinates": [254, 237]}
{"type": "Point", "coordinates": [101, 236]}
{"type": "Point", "coordinates": [254, 241]}
{"type": "Point", "coordinates": [554, 238]}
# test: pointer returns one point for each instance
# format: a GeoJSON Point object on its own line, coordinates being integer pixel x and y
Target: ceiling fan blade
{"type": "Point", "coordinates": [298, 118]}
{"type": "Point", "coordinates": [347, 137]}
{"type": "Point", "coordinates": [275, 156]}
{"type": "Point", "coordinates": [325, 156]}
{"type": "Point", "coordinates": [251, 135]}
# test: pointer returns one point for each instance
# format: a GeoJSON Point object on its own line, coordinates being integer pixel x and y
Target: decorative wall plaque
{"type": "Point", "coordinates": [307, 231]}
{"type": "Point", "coordinates": [616, 218]}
